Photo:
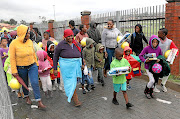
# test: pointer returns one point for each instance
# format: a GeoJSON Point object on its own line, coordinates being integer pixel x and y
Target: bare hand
{"type": "Point", "coordinates": [55, 72]}
{"type": "Point", "coordinates": [82, 67]}
{"type": "Point", "coordinates": [106, 54]}
{"type": "Point", "coordinates": [158, 60]}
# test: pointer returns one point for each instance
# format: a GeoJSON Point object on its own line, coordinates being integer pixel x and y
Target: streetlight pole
{"type": "Point", "coordinates": [54, 13]}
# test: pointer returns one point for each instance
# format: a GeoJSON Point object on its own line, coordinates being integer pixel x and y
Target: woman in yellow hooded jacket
{"type": "Point", "coordinates": [24, 62]}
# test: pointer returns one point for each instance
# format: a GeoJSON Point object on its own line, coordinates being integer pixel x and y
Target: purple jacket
{"type": "Point", "coordinates": [150, 49]}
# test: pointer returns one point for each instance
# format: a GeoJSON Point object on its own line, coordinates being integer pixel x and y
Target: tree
{"type": "Point", "coordinates": [12, 21]}
{"type": "Point", "coordinates": [23, 22]}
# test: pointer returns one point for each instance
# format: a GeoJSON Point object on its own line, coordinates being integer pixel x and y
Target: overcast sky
{"type": "Point", "coordinates": [30, 10]}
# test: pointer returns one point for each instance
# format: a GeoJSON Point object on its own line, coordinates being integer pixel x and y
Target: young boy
{"type": "Point", "coordinates": [134, 61]}
{"type": "Point", "coordinates": [119, 81]}
{"type": "Point", "coordinates": [165, 44]}
{"type": "Point", "coordinates": [99, 62]}
{"type": "Point", "coordinates": [152, 48]}
{"type": "Point", "coordinates": [88, 55]}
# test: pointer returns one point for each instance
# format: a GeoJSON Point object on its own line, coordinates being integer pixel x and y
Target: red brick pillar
{"type": "Point", "coordinates": [31, 26]}
{"type": "Point", "coordinates": [50, 26]}
{"type": "Point", "coordinates": [172, 23]}
{"type": "Point", "coordinates": [85, 18]}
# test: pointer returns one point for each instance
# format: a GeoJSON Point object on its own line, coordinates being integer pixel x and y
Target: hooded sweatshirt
{"type": "Point", "coordinates": [150, 49]}
{"type": "Point", "coordinates": [135, 65]}
{"type": "Point", "coordinates": [88, 53]}
{"type": "Point", "coordinates": [99, 56]}
{"type": "Point", "coordinates": [21, 54]}
{"type": "Point", "coordinates": [94, 33]}
{"type": "Point", "coordinates": [43, 64]}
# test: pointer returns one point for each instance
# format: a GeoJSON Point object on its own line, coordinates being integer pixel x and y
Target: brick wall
{"type": "Point", "coordinates": [172, 23]}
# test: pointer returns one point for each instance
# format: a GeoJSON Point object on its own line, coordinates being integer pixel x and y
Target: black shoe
{"type": "Point", "coordinates": [129, 105]}
{"type": "Point", "coordinates": [87, 87]}
{"type": "Point", "coordinates": [148, 96]}
{"type": "Point", "coordinates": [92, 87]}
{"type": "Point", "coordinates": [115, 101]}
{"type": "Point", "coordinates": [84, 92]}
{"type": "Point", "coordinates": [102, 83]}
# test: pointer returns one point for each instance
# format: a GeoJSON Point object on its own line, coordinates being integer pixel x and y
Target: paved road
{"type": "Point", "coordinates": [95, 105]}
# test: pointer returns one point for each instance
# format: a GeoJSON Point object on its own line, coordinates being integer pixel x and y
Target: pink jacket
{"type": "Point", "coordinates": [43, 64]}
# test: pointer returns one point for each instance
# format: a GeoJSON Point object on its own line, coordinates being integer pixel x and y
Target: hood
{"type": "Point", "coordinates": [21, 32]}
{"type": "Point", "coordinates": [127, 48]}
{"type": "Point", "coordinates": [92, 24]}
{"type": "Point", "coordinates": [98, 47]}
{"type": "Point", "coordinates": [151, 39]}
{"type": "Point", "coordinates": [41, 55]}
{"type": "Point", "coordinates": [89, 41]}
{"type": "Point", "coordinates": [49, 44]}
{"type": "Point", "coordinates": [139, 25]}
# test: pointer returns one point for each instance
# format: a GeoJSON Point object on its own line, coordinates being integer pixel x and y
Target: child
{"type": "Point", "coordinates": [50, 51]}
{"type": "Point", "coordinates": [99, 62]}
{"type": "Point", "coordinates": [152, 48]}
{"type": "Point", "coordinates": [119, 81]}
{"type": "Point", "coordinates": [46, 39]}
{"type": "Point", "coordinates": [135, 65]}
{"type": "Point", "coordinates": [4, 50]}
{"type": "Point", "coordinates": [165, 44]}
{"type": "Point", "coordinates": [136, 40]}
{"type": "Point", "coordinates": [88, 55]}
{"type": "Point", "coordinates": [44, 72]}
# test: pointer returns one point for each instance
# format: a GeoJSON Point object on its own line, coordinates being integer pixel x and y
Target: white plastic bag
{"type": "Point", "coordinates": [85, 70]}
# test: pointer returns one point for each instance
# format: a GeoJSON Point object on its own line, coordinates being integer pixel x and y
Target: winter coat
{"type": "Point", "coordinates": [43, 64]}
{"type": "Point", "coordinates": [99, 56]}
{"type": "Point", "coordinates": [133, 61]}
{"type": "Point", "coordinates": [150, 49]}
{"type": "Point", "coordinates": [88, 53]}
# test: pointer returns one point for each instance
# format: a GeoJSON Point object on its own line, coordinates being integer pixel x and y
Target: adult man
{"type": "Point", "coordinates": [72, 26]}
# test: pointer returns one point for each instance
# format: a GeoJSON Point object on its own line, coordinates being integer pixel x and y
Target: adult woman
{"type": "Point", "coordinates": [24, 62]}
{"type": "Point", "coordinates": [108, 38]}
{"type": "Point", "coordinates": [70, 62]}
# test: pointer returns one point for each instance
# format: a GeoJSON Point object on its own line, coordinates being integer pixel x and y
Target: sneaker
{"type": "Point", "coordinates": [102, 82]}
{"type": "Point", "coordinates": [87, 88]}
{"type": "Point", "coordinates": [128, 105]}
{"type": "Point", "coordinates": [84, 92]}
{"type": "Point", "coordinates": [128, 87]}
{"type": "Point", "coordinates": [156, 90]}
{"type": "Point", "coordinates": [164, 89]}
{"type": "Point", "coordinates": [54, 87]}
{"type": "Point", "coordinates": [114, 101]}
{"type": "Point", "coordinates": [92, 87]}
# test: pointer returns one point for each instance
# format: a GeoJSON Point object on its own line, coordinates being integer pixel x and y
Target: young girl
{"type": "Point", "coordinates": [44, 72]}
{"type": "Point", "coordinates": [136, 40]}
{"type": "Point", "coordinates": [4, 50]}
{"type": "Point", "coordinates": [50, 51]}
{"type": "Point", "coordinates": [134, 61]}
{"type": "Point", "coordinates": [152, 48]}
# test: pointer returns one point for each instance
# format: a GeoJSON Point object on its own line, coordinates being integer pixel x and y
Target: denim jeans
{"type": "Point", "coordinates": [85, 78]}
{"type": "Point", "coordinates": [90, 70]}
{"type": "Point", "coordinates": [32, 73]}
{"type": "Point", "coordinates": [110, 52]}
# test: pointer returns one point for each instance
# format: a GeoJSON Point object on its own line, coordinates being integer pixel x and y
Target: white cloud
{"type": "Point", "coordinates": [65, 9]}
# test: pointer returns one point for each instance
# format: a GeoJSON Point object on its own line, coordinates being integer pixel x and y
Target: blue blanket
{"type": "Point", "coordinates": [70, 70]}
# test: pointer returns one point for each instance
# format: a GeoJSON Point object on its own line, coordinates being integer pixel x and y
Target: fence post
{"type": "Point", "coordinates": [117, 20]}
{"type": "Point", "coordinates": [50, 26]}
{"type": "Point", "coordinates": [172, 23]}
{"type": "Point", "coordinates": [5, 102]}
{"type": "Point", "coordinates": [85, 18]}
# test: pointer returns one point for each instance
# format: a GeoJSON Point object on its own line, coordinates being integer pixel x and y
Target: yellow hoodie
{"type": "Point", "coordinates": [21, 54]}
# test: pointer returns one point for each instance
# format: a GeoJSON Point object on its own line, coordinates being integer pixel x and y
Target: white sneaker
{"type": "Point", "coordinates": [54, 87]}
{"type": "Point", "coordinates": [156, 90]}
{"type": "Point", "coordinates": [164, 89]}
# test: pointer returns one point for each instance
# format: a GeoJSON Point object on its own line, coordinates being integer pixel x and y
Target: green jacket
{"type": "Point", "coordinates": [99, 56]}
{"type": "Point", "coordinates": [119, 63]}
{"type": "Point", "coordinates": [88, 53]}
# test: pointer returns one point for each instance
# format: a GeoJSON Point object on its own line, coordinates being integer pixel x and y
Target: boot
{"type": "Point", "coordinates": [151, 92]}
{"type": "Point", "coordinates": [28, 101]}
{"type": "Point", "coordinates": [40, 105]}
{"type": "Point", "coordinates": [75, 99]}
{"type": "Point", "coordinates": [147, 92]}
